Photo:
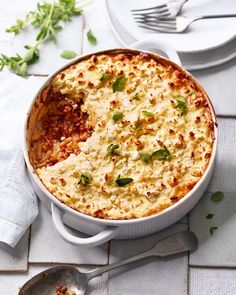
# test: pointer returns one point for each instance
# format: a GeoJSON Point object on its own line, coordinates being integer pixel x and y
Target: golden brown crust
{"type": "Point", "coordinates": [171, 112]}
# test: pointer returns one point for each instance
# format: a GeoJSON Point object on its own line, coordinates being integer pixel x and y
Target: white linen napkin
{"type": "Point", "coordinates": [18, 202]}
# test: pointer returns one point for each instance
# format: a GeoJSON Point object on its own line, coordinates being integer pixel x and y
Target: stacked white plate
{"type": "Point", "coordinates": [207, 43]}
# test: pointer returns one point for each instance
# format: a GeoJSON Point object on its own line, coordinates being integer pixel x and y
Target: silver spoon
{"type": "Point", "coordinates": [68, 277]}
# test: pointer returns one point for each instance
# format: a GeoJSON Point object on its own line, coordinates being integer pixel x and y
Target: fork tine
{"type": "Point", "coordinates": [159, 29]}
{"type": "Point", "coordinates": [156, 19]}
{"type": "Point", "coordinates": [159, 24]}
{"type": "Point", "coordinates": [150, 8]}
{"type": "Point", "coordinates": [153, 12]}
{"type": "Point", "coordinates": [164, 14]}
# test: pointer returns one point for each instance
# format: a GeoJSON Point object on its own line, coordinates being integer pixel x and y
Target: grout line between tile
{"type": "Point", "coordinates": [29, 239]}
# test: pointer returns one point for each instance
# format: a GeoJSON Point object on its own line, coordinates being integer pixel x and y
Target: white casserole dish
{"type": "Point", "coordinates": [102, 230]}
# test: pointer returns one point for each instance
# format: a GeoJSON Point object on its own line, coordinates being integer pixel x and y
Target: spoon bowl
{"type": "Point", "coordinates": [74, 282]}
{"type": "Point", "coordinates": [49, 281]}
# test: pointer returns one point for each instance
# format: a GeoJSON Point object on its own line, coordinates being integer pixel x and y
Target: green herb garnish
{"type": "Point", "coordinates": [117, 116]}
{"type": "Point", "coordinates": [212, 229]}
{"type": "Point", "coordinates": [123, 181]}
{"type": "Point", "coordinates": [92, 39]}
{"type": "Point", "coordinates": [119, 84]}
{"type": "Point", "coordinates": [210, 216]}
{"type": "Point", "coordinates": [103, 77]}
{"type": "Point", "coordinates": [46, 19]}
{"type": "Point", "coordinates": [217, 196]}
{"type": "Point", "coordinates": [136, 96]}
{"type": "Point", "coordinates": [17, 27]}
{"type": "Point", "coordinates": [145, 157]}
{"type": "Point", "coordinates": [111, 150]}
{"type": "Point", "coordinates": [162, 154]}
{"type": "Point", "coordinates": [68, 54]}
{"type": "Point", "coordinates": [138, 127]}
{"type": "Point", "coordinates": [148, 114]}
{"type": "Point", "coordinates": [85, 178]}
{"type": "Point", "coordinates": [181, 105]}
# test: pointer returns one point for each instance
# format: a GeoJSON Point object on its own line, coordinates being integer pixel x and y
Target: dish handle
{"type": "Point", "coordinates": [158, 46]}
{"type": "Point", "coordinates": [105, 235]}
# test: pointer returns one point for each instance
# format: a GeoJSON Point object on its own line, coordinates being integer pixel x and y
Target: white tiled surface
{"type": "Point", "coordinates": [15, 259]}
{"type": "Point", "coordinates": [47, 246]}
{"type": "Point", "coordinates": [212, 281]}
{"type": "Point", "coordinates": [224, 174]}
{"type": "Point", "coordinates": [152, 276]}
{"type": "Point", "coordinates": [217, 249]}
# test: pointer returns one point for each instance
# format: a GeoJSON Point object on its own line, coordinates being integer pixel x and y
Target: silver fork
{"type": "Point", "coordinates": [170, 8]}
{"type": "Point", "coordinates": [177, 24]}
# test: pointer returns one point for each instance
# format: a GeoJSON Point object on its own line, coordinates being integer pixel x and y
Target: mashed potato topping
{"type": "Point", "coordinates": [149, 136]}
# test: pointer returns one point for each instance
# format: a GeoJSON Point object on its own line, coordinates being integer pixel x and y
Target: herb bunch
{"type": "Point", "coordinates": [47, 18]}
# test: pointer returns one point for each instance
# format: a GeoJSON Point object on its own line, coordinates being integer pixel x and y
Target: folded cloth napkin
{"type": "Point", "coordinates": [18, 202]}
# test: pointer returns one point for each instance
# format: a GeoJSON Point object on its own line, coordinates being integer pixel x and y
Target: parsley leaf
{"type": "Point", "coordinates": [92, 39]}
{"type": "Point", "coordinates": [136, 96]}
{"type": "Point", "coordinates": [145, 157]}
{"type": "Point", "coordinates": [210, 216]}
{"type": "Point", "coordinates": [217, 196]}
{"type": "Point", "coordinates": [68, 54]}
{"type": "Point", "coordinates": [212, 229]}
{"type": "Point", "coordinates": [123, 181]}
{"type": "Point", "coordinates": [138, 127]}
{"type": "Point", "coordinates": [162, 154]}
{"type": "Point", "coordinates": [117, 116]}
{"type": "Point", "coordinates": [85, 178]}
{"type": "Point", "coordinates": [148, 114]}
{"type": "Point", "coordinates": [119, 84]}
{"type": "Point", "coordinates": [111, 150]}
{"type": "Point", "coordinates": [181, 105]}
{"type": "Point", "coordinates": [103, 77]}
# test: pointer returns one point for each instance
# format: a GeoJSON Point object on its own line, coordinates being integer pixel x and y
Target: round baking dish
{"type": "Point", "coordinates": [102, 230]}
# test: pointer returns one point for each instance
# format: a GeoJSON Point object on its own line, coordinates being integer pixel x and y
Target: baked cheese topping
{"type": "Point", "coordinates": [151, 138]}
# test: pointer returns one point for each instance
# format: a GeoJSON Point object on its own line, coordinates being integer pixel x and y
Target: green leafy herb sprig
{"type": "Point", "coordinates": [123, 181]}
{"type": "Point", "coordinates": [111, 150]}
{"type": "Point", "coordinates": [162, 154]}
{"type": "Point", "coordinates": [215, 197]}
{"type": "Point", "coordinates": [119, 84]}
{"type": "Point", "coordinates": [92, 39]}
{"type": "Point", "coordinates": [47, 18]}
{"type": "Point", "coordinates": [181, 105]}
{"type": "Point", "coordinates": [68, 54]}
{"type": "Point", "coordinates": [85, 178]}
{"type": "Point", "coordinates": [117, 116]}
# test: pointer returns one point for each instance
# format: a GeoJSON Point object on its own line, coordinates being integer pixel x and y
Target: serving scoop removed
{"type": "Point", "coordinates": [68, 280]}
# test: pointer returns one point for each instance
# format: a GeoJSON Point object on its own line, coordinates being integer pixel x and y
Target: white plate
{"type": "Point", "coordinates": [190, 60]}
{"type": "Point", "coordinates": [202, 35]}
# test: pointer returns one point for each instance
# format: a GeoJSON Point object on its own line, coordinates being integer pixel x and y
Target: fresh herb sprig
{"type": "Point", "coordinates": [85, 178]}
{"type": "Point", "coordinates": [47, 18]}
{"type": "Point", "coordinates": [123, 181]}
{"type": "Point", "coordinates": [181, 105]}
{"type": "Point", "coordinates": [119, 84]}
{"type": "Point", "coordinates": [162, 154]}
{"type": "Point", "coordinates": [92, 39]}
{"type": "Point", "coordinates": [117, 116]}
{"type": "Point", "coordinates": [111, 150]}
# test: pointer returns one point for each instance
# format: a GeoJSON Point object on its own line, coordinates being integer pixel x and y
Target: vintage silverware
{"type": "Point", "coordinates": [177, 24]}
{"type": "Point", "coordinates": [170, 8]}
{"type": "Point", "coordinates": [68, 277]}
